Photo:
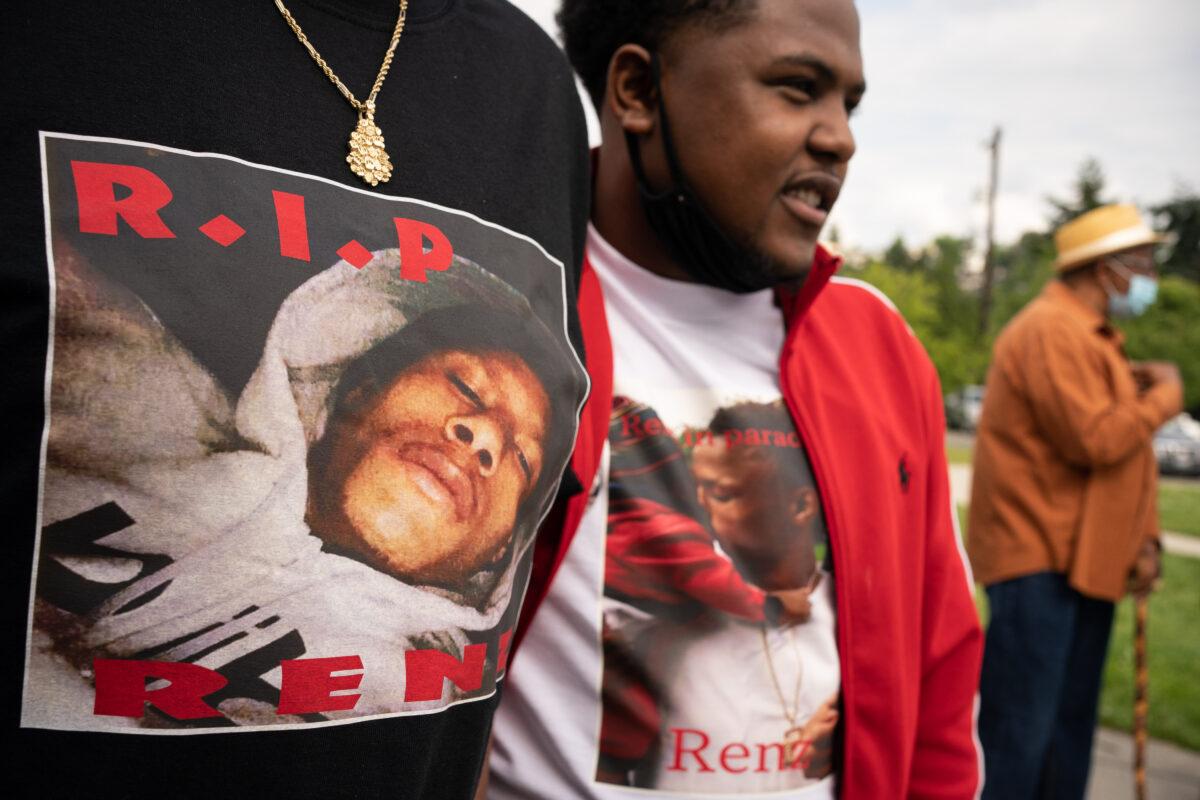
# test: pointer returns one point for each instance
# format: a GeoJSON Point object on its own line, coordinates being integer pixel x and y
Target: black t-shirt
{"type": "Point", "coordinates": [272, 539]}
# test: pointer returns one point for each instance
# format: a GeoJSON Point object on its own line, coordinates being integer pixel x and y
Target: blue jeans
{"type": "Point", "coordinates": [1043, 661]}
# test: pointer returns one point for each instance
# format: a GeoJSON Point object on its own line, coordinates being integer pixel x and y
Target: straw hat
{"type": "Point", "coordinates": [1101, 232]}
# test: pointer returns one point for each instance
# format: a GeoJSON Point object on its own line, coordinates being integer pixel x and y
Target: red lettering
{"type": "Point", "coordinates": [308, 684]}
{"type": "Point", "coordinates": [121, 689]}
{"type": "Point", "coordinates": [762, 757]}
{"type": "Point", "coordinates": [798, 761]}
{"type": "Point", "coordinates": [733, 437]}
{"type": "Point", "coordinates": [427, 671]}
{"type": "Point", "coordinates": [654, 426]}
{"type": "Point", "coordinates": [292, 224]}
{"type": "Point", "coordinates": [631, 425]}
{"type": "Point", "coordinates": [793, 439]}
{"type": "Point", "coordinates": [502, 657]}
{"type": "Point", "coordinates": [99, 206]}
{"type": "Point", "coordinates": [680, 750]}
{"type": "Point", "coordinates": [415, 260]}
{"type": "Point", "coordinates": [727, 756]}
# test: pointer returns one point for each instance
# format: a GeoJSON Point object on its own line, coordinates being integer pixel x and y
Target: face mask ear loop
{"type": "Point", "coordinates": [664, 119]}
{"type": "Point", "coordinates": [682, 190]}
{"type": "Point", "coordinates": [1127, 273]}
{"type": "Point", "coordinates": [1106, 284]}
{"type": "Point", "coordinates": [633, 144]}
{"type": "Point", "coordinates": [698, 244]}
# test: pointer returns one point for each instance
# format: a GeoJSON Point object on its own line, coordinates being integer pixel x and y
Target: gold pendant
{"type": "Point", "coordinates": [795, 747]}
{"type": "Point", "coordinates": [367, 158]}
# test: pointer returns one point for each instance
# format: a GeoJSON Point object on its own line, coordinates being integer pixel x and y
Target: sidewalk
{"type": "Point", "coordinates": [1172, 772]}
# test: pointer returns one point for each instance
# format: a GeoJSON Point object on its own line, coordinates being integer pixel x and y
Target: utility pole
{"type": "Point", "coordinates": [989, 265]}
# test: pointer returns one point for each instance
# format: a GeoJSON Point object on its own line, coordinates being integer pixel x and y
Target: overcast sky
{"type": "Point", "coordinates": [1118, 80]}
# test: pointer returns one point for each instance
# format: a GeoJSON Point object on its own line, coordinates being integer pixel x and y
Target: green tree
{"type": "Point", "coordinates": [1088, 194]}
{"type": "Point", "coordinates": [1180, 217]}
{"type": "Point", "coordinates": [1168, 332]}
{"type": "Point", "coordinates": [958, 309]}
{"type": "Point", "coordinates": [912, 293]}
{"type": "Point", "coordinates": [1022, 269]}
{"type": "Point", "coordinates": [922, 296]}
{"type": "Point", "coordinates": [897, 256]}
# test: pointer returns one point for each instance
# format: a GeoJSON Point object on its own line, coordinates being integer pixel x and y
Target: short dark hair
{"type": "Point", "coordinates": [793, 466]}
{"type": "Point", "coordinates": [594, 29]}
{"type": "Point", "coordinates": [1083, 272]}
{"type": "Point", "coordinates": [648, 466]}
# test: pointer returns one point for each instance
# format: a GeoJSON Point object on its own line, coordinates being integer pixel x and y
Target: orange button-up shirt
{"type": "Point", "coordinates": [1065, 478]}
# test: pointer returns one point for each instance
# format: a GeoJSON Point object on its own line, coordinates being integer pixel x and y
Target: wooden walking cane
{"type": "Point", "coordinates": [1141, 702]}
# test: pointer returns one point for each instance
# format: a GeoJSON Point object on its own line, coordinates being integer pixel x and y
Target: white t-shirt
{"type": "Point", "coordinates": [655, 664]}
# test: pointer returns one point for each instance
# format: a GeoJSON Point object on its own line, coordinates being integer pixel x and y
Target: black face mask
{"type": "Point", "coordinates": [695, 241]}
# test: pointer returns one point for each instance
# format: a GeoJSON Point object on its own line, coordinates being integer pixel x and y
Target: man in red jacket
{"type": "Point", "coordinates": [726, 140]}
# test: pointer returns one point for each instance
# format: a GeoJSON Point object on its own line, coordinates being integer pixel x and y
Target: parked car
{"type": "Point", "coordinates": [1177, 446]}
{"type": "Point", "coordinates": [964, 407]}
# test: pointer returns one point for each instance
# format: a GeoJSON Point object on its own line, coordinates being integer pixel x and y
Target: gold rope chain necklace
{"type": "Point", "coordinates": [367, 158]}
{"type": "Point", "coordinates": [793, 737]}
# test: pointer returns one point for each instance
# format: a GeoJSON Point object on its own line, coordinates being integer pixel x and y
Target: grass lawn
{"type": "Point", "coordinates": [1173, 653]}
{"type": "Point", "coordinates": [1179, 507]}
{"type": "Point", "coordinates": [958, 454]}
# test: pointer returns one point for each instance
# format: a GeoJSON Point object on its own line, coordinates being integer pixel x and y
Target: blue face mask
{"type": "Point", "coordinates": [1143, 291]}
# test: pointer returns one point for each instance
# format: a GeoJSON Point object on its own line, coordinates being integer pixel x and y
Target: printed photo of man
{"type": "Point", "coordinates": [712, 557]}
{"type": "Point", "coordinates": [370, 492]}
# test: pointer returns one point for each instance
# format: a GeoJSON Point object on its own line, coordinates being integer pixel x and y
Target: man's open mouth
{"type": "Point", "coordinates": [811, 197]}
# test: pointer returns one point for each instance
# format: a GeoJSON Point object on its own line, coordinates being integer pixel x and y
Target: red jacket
{"type": "Point", "coordinates": [867, 402]}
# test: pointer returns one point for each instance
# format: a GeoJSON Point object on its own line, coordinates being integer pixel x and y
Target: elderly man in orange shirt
{"type": "Point", "coordinates": [1064, 514]}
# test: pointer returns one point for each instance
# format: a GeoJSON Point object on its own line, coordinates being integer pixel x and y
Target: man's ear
{"type": "Point", "coordinates": [803, 505]}
{"type": "Point", "coordinates": [632, 96]}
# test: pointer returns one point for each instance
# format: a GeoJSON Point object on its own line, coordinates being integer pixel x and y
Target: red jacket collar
{"type": "Point", "coordinates": [796, 301]}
